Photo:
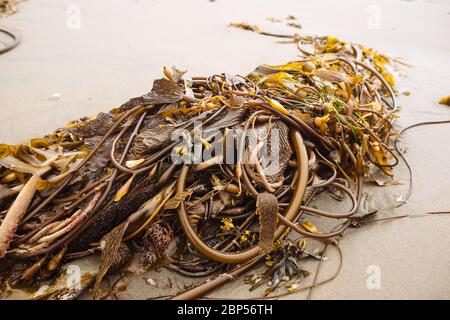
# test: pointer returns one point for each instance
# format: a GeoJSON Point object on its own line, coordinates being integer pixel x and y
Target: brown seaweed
{"type": "Point", "coordinates": [109, 183]}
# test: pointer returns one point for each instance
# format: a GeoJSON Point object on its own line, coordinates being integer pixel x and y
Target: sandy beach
{"type": "Point", "coordinates": [64, 70]}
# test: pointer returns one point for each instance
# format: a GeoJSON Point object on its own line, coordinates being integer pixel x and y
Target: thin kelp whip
{"type": "Point", "coordinates": [16, 39]}
{"type": "Point", "coordinates": [407, 195]}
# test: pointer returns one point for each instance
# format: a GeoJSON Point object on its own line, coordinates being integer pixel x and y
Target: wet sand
{"type": "Point", "coordinates": [123, 44]}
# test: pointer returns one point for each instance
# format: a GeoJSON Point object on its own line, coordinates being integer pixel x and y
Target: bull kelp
{"type": "Point", "coordinates": [129, 182]}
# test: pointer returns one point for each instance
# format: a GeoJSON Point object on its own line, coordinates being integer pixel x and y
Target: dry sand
{"type": "Point", "coordinates": [123, 44]}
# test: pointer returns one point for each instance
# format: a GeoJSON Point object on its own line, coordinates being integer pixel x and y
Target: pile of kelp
{"type": "Point", "coordinates": [114, 184]}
